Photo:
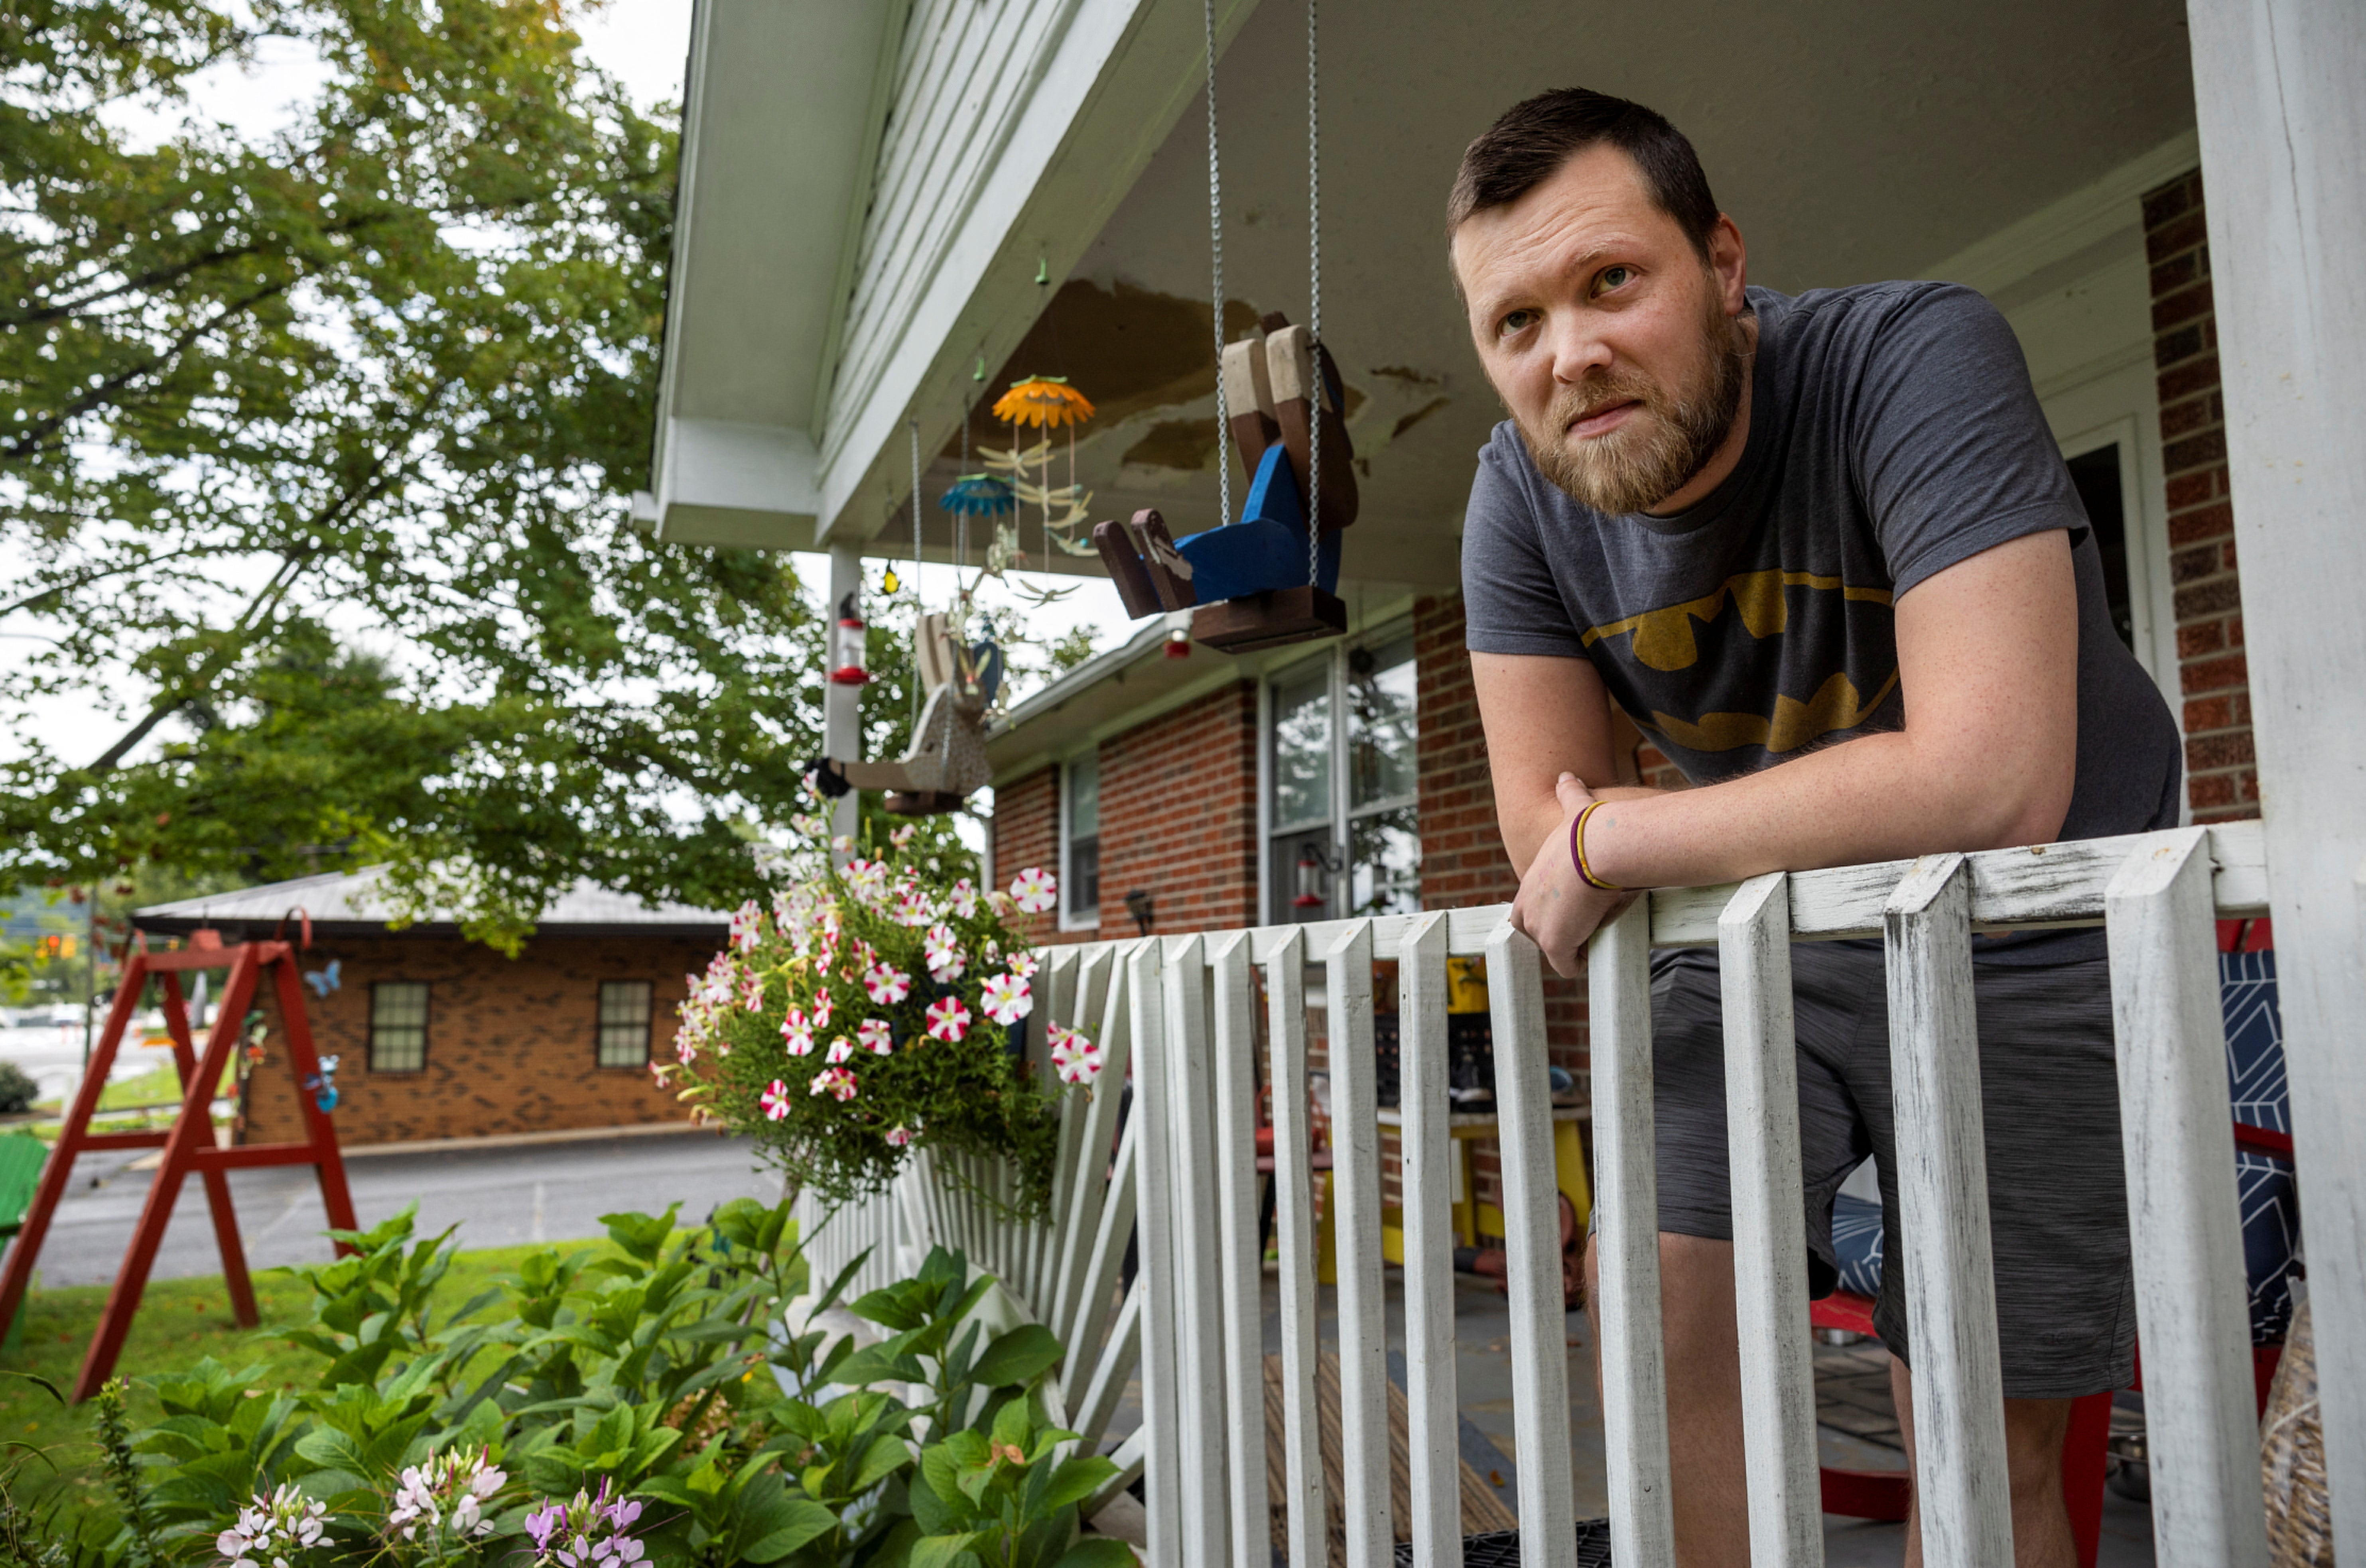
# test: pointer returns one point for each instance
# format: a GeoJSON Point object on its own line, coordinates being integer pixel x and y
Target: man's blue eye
{"type": "Point", "coordinates": [1615, 277]}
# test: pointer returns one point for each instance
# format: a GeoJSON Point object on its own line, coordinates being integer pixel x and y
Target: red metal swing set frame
{"type": "Point", "coordinates": [188, 1143]}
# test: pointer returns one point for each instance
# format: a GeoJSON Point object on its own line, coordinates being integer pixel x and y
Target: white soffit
{"type": "Point", "coordinates": [780, 120]}
{"type": "Point", "coordinates": [2090, 216]}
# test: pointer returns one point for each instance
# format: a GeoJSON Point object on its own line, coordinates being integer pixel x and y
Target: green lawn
{"type": "Point", "coordinates": [180, 1323]}
{"type": "Point", "coordinates": [158, 1084]}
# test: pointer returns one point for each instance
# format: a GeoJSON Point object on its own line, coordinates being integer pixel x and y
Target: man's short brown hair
{"type": "Point", "coordinates": [1535, 137]}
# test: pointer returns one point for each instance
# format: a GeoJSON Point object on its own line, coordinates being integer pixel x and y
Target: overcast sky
{"type": "Point", "coordinates": [644, 43]}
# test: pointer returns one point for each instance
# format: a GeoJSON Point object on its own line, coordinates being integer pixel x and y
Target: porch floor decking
{"type": "Point", "coordinates": [1857, 1423]}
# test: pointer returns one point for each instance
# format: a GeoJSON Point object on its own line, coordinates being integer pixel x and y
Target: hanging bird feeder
{"type": "Point", "coordinates": [847, 657]}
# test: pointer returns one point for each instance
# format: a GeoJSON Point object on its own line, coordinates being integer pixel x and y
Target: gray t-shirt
{"type": "Point", "coordinates": [1893, 433]}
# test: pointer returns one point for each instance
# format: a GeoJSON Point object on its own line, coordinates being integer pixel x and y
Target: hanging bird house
{"type": "Point", "coordinates": [846, 657]}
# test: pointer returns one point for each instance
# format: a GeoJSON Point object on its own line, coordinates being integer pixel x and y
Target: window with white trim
{"type": "Point", "coordinates": [1343, 836]}
{"type": "Point", "coordinates": [1080, 842]}
{"type": "Point", "coordinates": [398, 1029]}
{"type": "Point", "coordinates": [625, 1009]}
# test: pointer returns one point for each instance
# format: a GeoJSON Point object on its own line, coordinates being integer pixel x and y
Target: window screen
{"type": "Point", "coordinates": [398, 1036]}
{"type": "Point", "coordinates": [625, 1007]}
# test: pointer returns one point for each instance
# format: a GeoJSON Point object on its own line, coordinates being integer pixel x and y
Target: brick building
{"type": "Point", "coordinates": [440, 1037]}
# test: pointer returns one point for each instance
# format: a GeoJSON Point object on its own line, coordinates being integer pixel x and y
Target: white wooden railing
{"type": "Point", "coordinates": [1177, 1012]}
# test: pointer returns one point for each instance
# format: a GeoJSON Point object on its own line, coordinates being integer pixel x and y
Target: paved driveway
{"type": "Point", "coordinates": [499, 1197]}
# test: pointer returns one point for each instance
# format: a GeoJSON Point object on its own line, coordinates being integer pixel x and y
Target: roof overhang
{"type": "Point", "coordinates": [780, 123]}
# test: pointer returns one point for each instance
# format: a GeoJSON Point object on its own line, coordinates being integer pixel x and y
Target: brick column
{"type": "Point", "coordinates": [2220, 778]}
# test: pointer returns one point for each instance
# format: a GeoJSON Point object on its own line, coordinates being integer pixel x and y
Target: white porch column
{"type": "Point", "coordinates": [2283, 158]}
{"type": "Point", "coordinates": [841, 714]}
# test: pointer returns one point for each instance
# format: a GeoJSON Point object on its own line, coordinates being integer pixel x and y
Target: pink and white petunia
{"type": "Point", "coordinates": [775, 1100]}
{"type": "Point", "coordinates": [902, 837]}
{"type": "Point", "coordinates": [751, 993]}
{"type": "Point", "coordinates": [821, 1008]}
{"type": "Point", "coordinates": [1023, 964]}
{"type": "Point", "coordinates": [797, 1033]}
{"type": "Point", "coordinates": [841, 1049]}
{"type": "Point", "coordinates": [913, 908]}
{"type": "Point", "coordinates": [1076, 1059]}
{"type": "Point", "coordinates": [887, 984]}
{"type": "Point", "coordinates": [1007, 999]}
{"type": "Point", "coordinates": [963, 899]}
{"type": "Point", "coordinates": [899, 1136]}
{"type": "Point", "coordinates": [949, 1020]}
{"type": "Point", "coordinates": [746, 927]}
{"type": "Point", "coordinates": [1035, 891]}
{"type": "Point", "coordinates": [875, 1035]}
{"type": "Point", "coordinates": [833, 1080]}
{"type": "Point", "coordinates": [946, 961]}
{"type": "Point", "coordinates": [685, 1046]}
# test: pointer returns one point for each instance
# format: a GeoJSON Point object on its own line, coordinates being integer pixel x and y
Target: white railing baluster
{"type": "Point", "coordinates": [1293, 1178]}
{"type": "Point", "coordinates": [1164, 1329]}
{"type": "Point", "coordinates": [1243, 1264]}
{"type": "Point", "coordinates": [1626, 1199]}
{"type": "Point", "coordinates": [2185, 1220]}
{"type": "Point", "coordinates": [1104, 1261]}
{"type": "Point", "coordinates": [1087, 976]}
{"type": "Point", "coordinates": [1942, 1192]}
{"type": "Point", "coordinates": [1356, 1236]}
{"type": "Point", "coordinates": [1532, 1244]}
{"type": "Point", "coordinates": [1199, 1294]}
{"type": "Point", "coordinates": [1101, 1395]}
{"type": "Point", "coordinates": [1084, 1207]}
{"type": "Point", "coordinates": [1769, 1253]}
{"type": "Point", "coordinates": [1424, 1151]}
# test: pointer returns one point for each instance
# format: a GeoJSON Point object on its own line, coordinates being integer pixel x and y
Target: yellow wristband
{"type": "Point", "coordinates": [1577, 850]}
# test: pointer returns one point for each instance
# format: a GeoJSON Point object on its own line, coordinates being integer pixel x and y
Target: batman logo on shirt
{"type": "Point", "coordinates": [1664, 640]}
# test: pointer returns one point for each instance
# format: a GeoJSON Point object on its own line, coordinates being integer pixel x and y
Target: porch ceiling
{"type": "Point", "coordinates": [1858, 139]}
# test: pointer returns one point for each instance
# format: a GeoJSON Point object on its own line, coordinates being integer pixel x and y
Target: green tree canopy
{"type": "Point", "coordinates": [379, 380]}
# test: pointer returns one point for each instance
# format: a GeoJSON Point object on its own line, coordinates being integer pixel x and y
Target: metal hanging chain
{"type": "Point", "coordinates": [1314, 303]}
{"type": "Point", "coordinates": [1216, 249]}
{"type": "Point", "coordinates": [919, 604]}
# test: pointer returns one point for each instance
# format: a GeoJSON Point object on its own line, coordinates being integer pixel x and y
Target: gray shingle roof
{"type": "Point", "coordinates": [352, 902]}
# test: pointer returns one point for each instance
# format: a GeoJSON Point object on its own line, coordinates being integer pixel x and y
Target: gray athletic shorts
{"type": "Point", "coordinates": [2058, 1195]}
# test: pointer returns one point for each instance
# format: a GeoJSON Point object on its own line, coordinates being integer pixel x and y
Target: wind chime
{"type": "Point", "coordinates": [1046, 403]}
{"type": "Point", "coordinates": [1271, 576]}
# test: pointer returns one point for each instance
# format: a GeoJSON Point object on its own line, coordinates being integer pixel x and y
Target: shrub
{"type": "Point", "coordinates": [652, 1405]}
{"type": "Point", "coordinates": [18, 1089]}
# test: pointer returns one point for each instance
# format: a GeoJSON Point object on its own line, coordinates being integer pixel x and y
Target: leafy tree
{"type": "Point", "coordinates": [382, 378]}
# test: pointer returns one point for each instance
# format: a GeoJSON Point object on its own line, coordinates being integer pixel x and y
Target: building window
{"type": "Point", "coordinates": [398, 1036]}
{"type": "Point", "coordinates": [1080, 843]}
{"type": "Point", "coordinates": [1343, 838]}
{"type": "Point", "coordinates": [625, 1008]}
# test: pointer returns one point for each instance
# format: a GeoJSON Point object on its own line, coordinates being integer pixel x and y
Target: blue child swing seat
{"type": "Point", "coordinates": [1249, 580]}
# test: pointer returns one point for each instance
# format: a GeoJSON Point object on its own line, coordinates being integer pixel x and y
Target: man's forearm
{"type": "Point", "coordinates": [1878, 798]}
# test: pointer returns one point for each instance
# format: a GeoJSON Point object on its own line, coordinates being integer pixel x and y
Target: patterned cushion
{"type": "Point", "coordinates": [2265, 1184]}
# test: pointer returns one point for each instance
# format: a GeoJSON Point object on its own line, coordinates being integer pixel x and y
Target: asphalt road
{"type": "Point", "coordinates": [499, 1198]}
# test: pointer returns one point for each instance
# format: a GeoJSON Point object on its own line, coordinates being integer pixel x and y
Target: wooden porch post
{"type": "Point", "coordinates": [2284, 158]}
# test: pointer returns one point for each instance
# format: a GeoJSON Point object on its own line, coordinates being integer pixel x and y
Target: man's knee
{"type": "Point", "coordinates": [2034, 1430]}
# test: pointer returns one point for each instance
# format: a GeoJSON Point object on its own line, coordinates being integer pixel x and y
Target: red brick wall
{"type": "Point", "coordinates": [510, 1043]}
{"type": "Point", "coordinates": [1178, 820]}
{"type": "Point", "coordinates": [2220, 778]}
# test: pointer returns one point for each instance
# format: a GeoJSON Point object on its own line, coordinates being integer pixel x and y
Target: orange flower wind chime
{"type": "Point", "coordinates": [1046, 403]}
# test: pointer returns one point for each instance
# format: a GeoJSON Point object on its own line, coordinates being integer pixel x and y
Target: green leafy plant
{"type": "Point", "coordinates": [651, 1397]}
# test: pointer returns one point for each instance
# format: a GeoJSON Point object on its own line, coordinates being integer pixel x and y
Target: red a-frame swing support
{"type": "Point", "coordinates": [188, 1144]}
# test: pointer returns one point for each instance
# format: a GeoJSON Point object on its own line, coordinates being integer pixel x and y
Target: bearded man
{"type": "Point", "coordinates": [1823, 551]}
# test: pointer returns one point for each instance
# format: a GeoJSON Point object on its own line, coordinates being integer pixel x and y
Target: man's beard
{"type": "Point", "coordinates": [1661, 447]}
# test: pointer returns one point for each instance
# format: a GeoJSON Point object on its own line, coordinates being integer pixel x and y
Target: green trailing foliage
{"type": "Point", "coordinates": [652, 1398]}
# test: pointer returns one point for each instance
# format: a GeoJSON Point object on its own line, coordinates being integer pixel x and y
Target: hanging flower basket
{"type": "Point", "coordinates": [871, 1012]}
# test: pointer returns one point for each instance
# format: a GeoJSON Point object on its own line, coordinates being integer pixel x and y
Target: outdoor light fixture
{"type": "Point", "coordinates": [1137, 904]}
{"type": "Point", "coordinates": [848, 670]}
{"type": "Point", "coordinates": [1316, 865]}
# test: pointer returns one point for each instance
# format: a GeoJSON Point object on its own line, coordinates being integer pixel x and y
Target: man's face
{"type": "Point", "coordinates": [1612, 343]}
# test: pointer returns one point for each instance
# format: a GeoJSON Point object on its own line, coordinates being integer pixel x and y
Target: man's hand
{"type": "Point", "coordinates": [1557, 909]}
